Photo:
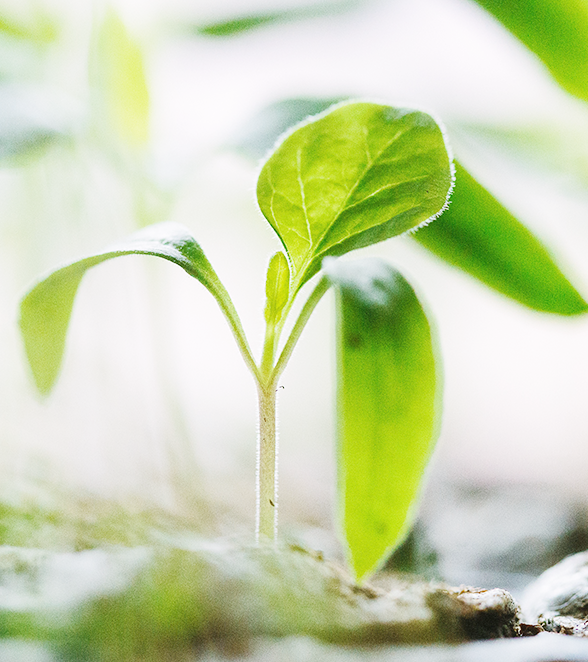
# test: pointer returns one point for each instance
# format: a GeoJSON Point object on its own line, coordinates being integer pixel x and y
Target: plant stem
{"type": "Point", "coordinates": [267, 455]}
{"type": "Point", "coordinates": [267, 488]}
{"type": "Point", "coordinates": [321, 287]}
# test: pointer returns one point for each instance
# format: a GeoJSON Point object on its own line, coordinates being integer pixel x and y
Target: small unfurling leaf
{"type": "Point", "coordinates": [277, 287]}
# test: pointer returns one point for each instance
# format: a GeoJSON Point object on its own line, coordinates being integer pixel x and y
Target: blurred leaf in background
{"type": "Point", "coordinates": [32, 115]}
{"type": "Point", "coordinates": [119, 72]}
{"type": "Point", "coordinates": [257, 136]}
{"type": "Point", "coordinates": [31, 119]}
{"type": "Point", "coordinates": [121, 114]}
{"type": "Point", "coordinates": [557, 150]}
{"type": "Point", "coordinates": [556, 30]}
{"type": "Point", "coordinates": [481, 237]}
{"type": "Point", "coordinates": [247, 22]}
{"type": "Point", "coordinates": [37, 27]}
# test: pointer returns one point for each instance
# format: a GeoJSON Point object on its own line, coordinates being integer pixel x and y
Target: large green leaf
{"type": "Point", "coordinates": [478, 235]}
{"type": "Point", "coordinates": [360, 174]}
{"type": "Point", "coordinates": [45, 311]}
{"type": "Point", "coordinates": [556, 30]}
{"type": "Point", "coordinates": [388, 405]}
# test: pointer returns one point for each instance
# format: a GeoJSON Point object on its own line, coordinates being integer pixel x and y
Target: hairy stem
{"type": "Point", "coordinates": [267, 455]}
{"type": "Point", "coordinates": [267, 475]}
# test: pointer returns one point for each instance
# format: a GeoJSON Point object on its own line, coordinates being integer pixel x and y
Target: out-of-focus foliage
{"type": "Point", "coordinates": [31, 120]}
{"type": "Point", "coordinates": [32, 116]}
{"type": "Point", "coordinates": [259, 134]}
{"type": "Point", "coordinates": [556, 30]}
{"type": "Point", "coordinates": [248, 22]}
{"type": "Point", "coordinates": [120, 75]}
{"type": "Point", "coordinates": [559, 151]}
{"type": "Point", "coordinates": [478, 235]}
{"type": "Point", "coordinates": [40, 28]}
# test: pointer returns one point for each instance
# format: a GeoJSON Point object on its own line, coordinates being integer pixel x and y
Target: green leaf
{"type": "Point", "coordinates": [360, 174]}
{"type": "Point", "coordinates": [556, 30]}
{"type": "Point", "coordinates": [45, 311]}
{"type": "Point", "coordinates": [478, 235]}
{"type": "Point", "coordinates": [388, 405]}
{"type": "Point", "coordinates": [277, 287]}
{"type": "Point", "coordinates": [121, 77]}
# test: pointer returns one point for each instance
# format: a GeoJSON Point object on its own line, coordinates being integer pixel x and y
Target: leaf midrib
{"type": "Point", "coordinates": [371, 162]}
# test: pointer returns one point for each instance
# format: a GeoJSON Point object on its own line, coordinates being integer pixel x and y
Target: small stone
{"type": "Point", "coordinates": [485, 613]}
{"type": "Point", "coordinates": [558, 599]}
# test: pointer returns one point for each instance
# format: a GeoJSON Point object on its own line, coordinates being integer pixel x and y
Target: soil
{"type": "Point", "coordinates": [123, 587]}
{"type": "Point", "coordinates": [200, 600]}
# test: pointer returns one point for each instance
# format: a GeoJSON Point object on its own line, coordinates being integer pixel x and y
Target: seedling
{"type": "Point", "coordinates": [356, 175]}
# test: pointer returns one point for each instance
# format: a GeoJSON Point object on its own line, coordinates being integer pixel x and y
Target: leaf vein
{"type": "Point", "coordinates": [302, 194]}
{"type": "Point", "coordinates": [384, 188]}
{"type": "Point", "coordinates": [369, 164]}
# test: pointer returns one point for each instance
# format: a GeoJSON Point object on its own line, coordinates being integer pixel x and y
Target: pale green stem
{"type": "Point", "coordinates": [267, 456]}
{"type": "Point", "coordinates": [267, 474]}
{"type": "Point", "coordinates": [267, 470]}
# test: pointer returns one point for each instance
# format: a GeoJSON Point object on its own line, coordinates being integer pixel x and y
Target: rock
{"type": "Point", "coordinates": [558, 599]}
{"type": "Point", "coordinates": [486, 614]}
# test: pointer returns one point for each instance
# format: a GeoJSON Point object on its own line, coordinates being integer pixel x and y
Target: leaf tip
{"type": "Point", "coordinates": [576, 305]}
{"type": "Point", "coordinates": [43, 369]}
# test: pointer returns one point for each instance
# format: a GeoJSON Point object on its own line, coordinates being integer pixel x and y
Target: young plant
{"type": "Point", "coordinates": [359, 174]}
